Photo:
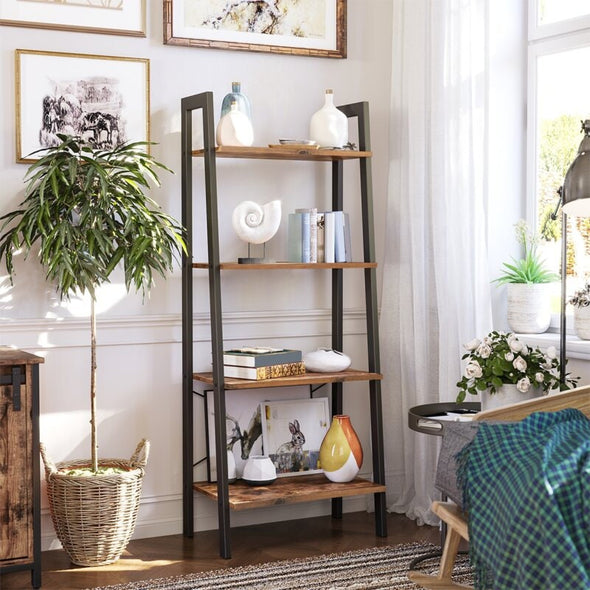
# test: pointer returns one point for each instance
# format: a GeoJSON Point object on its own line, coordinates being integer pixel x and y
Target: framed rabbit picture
{"type": "Point", "coordinates": [243, 424]}
{"type": "Point", "coordinates": [292, 432]}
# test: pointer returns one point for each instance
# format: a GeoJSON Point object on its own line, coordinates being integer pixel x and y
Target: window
{"type": "Point", "coordinates": [559, 99]}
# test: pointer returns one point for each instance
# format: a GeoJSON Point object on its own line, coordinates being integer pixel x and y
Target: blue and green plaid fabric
{"type": "Point", "coordinates": [526, 487]}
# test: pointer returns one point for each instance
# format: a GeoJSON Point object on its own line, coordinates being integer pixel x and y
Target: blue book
{"type": "Point", "coordinates": [339, 248]}
{"type": "Point", "coordinates": [248, 357]}
{"type": "Point", "coordinates": [306, 237]}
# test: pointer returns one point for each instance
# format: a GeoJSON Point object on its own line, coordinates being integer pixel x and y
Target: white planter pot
{"type": "Point", "coordinates": [529, 307]}
{"type": "Point", "coordinates": [505, 395]}
{"type": "Point", "coordinates": [582, 322]}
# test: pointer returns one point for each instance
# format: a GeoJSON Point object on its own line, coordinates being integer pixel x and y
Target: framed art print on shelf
{"type": "Point", "coordinates": [101, 98]}
{"type": "Point", "coordinates": [298, 27]}
{"type": "Point", "coordinates": [292, 432]}
{"type": "Point", "coordinates": [243, 424]}
{"type": "Point", "coordinates": [112, 17]}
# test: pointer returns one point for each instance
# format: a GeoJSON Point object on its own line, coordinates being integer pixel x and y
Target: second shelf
{"type": "Point", "coordinates": [305, 379]}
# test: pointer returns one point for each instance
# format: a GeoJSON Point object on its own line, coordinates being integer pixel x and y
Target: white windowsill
{"type": "Point", "coordinates": [574, 346]}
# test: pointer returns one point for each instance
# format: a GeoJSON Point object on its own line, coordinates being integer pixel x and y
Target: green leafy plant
{"type": "Point", "coordinates": [86, 211]}
{"type": "Point", "coordinates": [530, 268]}
{"type": "Point", "coordinates": [501, 358]}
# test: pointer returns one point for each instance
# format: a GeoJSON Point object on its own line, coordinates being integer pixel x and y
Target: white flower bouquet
{"type": "Point", "coordinates": [501, 358]}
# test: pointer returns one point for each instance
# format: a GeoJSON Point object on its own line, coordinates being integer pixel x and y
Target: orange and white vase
{"type": "Point", "coordinates": [341, 454]}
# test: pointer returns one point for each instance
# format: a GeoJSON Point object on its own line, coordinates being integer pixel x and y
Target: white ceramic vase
{"type": "Point", "coordinates": [329, 126]}
{"type": "Point", "coordinates": [582, 322]}
{"type": "Point", "coordinates": [231, 466]}
{"type": "Point", "coordinates": [505, 395]}
{"type": "Point", "coordinates": [234, 129]}
{"type": "Point", "coordinates": [529, 307]}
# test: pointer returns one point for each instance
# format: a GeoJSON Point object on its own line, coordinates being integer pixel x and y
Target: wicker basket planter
{"type": "Point", "coordinates": [94, 516]}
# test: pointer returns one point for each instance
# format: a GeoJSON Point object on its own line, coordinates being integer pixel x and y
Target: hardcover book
{"type": "Point", "coordinates": [246, 357]}
{"type": "Point", "coordinates": [263, 373]}
{"type": "Point", "coordinates": [329, 236]}
{"type": "Point", "coordinates": [320, 237]}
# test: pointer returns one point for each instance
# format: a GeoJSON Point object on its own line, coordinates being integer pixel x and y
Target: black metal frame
{"type": "Point", "coordinates": [204, 101]}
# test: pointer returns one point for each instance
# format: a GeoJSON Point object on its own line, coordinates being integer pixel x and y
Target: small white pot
{"type": "Point", "coordinates": [259, 470]}
{"type": "Point", "coordinates": [529, 307]}
{"type": "Point", "coordinates": [582, 322]}
{"type": "Point", "coordinates": [506, 395]}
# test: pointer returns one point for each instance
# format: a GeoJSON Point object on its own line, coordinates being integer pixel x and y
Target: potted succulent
{"type": "Point", "coordinates": [504, 370]}
{"type": "Point", "coordinates": [580, 301]}
{"type": "Point", "coordinates": [528, 282]}
{"type": "Point", "coordinates": [86, 213]}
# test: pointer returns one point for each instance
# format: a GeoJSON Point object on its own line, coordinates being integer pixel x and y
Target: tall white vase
{"type": "Point", "coordinates": [506, 395]}
{"type": "Point", "coordinates": [529, 307]}
{"type": "Point", "coordinates": [582, 322]}
{"type": "Point", "coordinates": [329, 126]}
{"type": "Point", "coordinates": [234, 129]}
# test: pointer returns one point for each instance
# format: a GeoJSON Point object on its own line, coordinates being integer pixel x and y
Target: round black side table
{"type": "Point", "coordinates": [431, 419]}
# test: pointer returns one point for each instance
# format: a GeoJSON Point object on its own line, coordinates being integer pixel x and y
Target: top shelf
{"type": "Point", "coordinates": [285, 153]}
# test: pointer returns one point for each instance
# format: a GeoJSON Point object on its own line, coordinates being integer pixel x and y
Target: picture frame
{"type": "Point", "coordinates": [243, 424]}
{"type": "Point", "coordinates": [105, 99]}
{"type": "Point", "coordinates": [110, 17]}
{"type": "Point", "coordinates": [292, 433]}
{"type": "Point", "coordinates": [211, 24]}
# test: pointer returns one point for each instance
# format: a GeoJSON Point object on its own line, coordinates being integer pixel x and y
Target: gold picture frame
{"type": "Point", "coordinates": [210, 23]}
{"type": "Point", "coordinates": [105, 99]}
{"type": "Point", "coordinates": [110, 17]}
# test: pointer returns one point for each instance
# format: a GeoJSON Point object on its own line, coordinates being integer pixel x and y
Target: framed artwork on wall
{"type": "Point", "coordinates": [101, 98]}
{"type": "Point", "coordinates": [292, 432]}
{"type": "Point", "coordinates": [298, 27]}
{"type": "Point", "coordinates": [113, 17]}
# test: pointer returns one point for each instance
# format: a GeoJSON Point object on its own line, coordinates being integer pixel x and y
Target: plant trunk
{"type": "Point", "coordinates": [94, 450]}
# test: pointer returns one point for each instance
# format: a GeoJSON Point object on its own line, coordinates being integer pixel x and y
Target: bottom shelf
{"type": "Point", "coordinates": [289, 490]}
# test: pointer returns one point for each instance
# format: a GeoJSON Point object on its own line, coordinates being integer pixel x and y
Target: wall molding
{"type": "Point", "coordinates": [142, 330]}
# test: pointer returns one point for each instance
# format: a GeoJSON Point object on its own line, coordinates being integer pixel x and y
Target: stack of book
{"type": "Point", "coordinates": [319, 236]}
{"type": "Point", "coordinates": [259, 363]}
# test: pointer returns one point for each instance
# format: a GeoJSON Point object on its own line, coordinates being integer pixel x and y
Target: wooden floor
{"type": "Point", "coordinates": [176, 555]}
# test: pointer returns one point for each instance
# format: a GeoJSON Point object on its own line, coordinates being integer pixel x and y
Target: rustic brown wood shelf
{"type": "Point", "coordinates": [305, 379]}
{"type": "Point", "coordinates": [268, 153]}
{"type": "Point", "coordinates": [287, 265]}
{"type": "Point", "coordinates": [289, 490]}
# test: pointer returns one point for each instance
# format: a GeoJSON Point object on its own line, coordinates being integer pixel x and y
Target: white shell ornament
{"type": "Point", "coordinates": [256, 224]}
{"type": "Point", "coordinates": [326, 360]}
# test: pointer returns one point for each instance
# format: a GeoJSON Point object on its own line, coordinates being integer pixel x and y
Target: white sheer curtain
{"type": "Point", "coordinates": [436, 288]}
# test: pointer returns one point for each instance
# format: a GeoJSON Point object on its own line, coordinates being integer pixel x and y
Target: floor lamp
{"type": "Point", "coordinates": [574, 199]}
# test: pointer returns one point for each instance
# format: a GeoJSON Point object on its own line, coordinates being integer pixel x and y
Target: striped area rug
{"type": "Point", "coordinates": [378, 568]}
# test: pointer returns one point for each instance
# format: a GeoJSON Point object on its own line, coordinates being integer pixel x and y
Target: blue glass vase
{"type": "Point", "coordinates": [242, 101]}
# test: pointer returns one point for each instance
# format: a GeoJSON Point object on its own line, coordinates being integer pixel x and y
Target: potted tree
{"type": "Point", "coordinates": [528, 281]}
{"type": "Point", "coordinates": [86, 213]}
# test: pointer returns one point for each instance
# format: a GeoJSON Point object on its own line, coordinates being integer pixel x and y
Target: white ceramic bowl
{"type": "Point", "coordinates": [326, 360]}
{"type": "Point", "coordinates": [259, 470]}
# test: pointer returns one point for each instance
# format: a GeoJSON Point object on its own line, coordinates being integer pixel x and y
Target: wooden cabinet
{"type": "Point", "coordinates": [304, 488]}
{"type": "Point", "coordinates": [20, 536]}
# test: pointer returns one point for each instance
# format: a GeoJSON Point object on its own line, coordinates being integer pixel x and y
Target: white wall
{"type": "Point", "coordinates": [139, 345]}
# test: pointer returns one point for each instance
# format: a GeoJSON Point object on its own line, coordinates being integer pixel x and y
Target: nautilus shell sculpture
{"type": "Point", "coordinates": [256, 224]}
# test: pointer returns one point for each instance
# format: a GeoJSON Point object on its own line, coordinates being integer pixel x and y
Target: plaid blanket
{"type": "Point", "coordinates": [526, 487]}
